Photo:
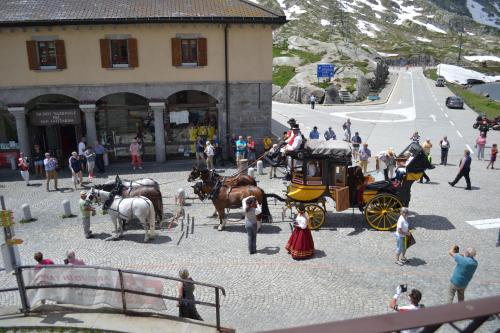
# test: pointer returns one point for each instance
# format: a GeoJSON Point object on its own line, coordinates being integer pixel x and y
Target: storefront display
{"type": "Point", "coordinates": [9, 147]}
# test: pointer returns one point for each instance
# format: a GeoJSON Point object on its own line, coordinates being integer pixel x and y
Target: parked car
{"type": "Point", "coordinates": [455, 102]}
{"type": "Point", "coordinates": [440, 81]}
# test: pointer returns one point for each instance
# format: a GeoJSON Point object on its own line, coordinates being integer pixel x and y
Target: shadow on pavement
{"type": "Point", "coordinates": [269, 250]}
{"type": "Point", "coordinates": [319, 254]}
{"type": "Point", "coordinates": [265, 229]}
{"type": "Point", "coordinates": [101, 235]}
{"type": "Point", "coordinates": [415, 262]}
{"type": "Point", "coordinates": [431, 222]}
{"type": "Point", "coordinates": [55, 318]}
{"type": "Point", "coordinates": [139, 238]}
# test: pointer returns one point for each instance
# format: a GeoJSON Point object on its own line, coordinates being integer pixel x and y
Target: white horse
{"type": "Point", "coordinates": [126, 209]}
{"type": "Point", "coordinates": [136, 183]}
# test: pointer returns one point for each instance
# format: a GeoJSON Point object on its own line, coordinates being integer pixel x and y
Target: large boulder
{"type": "Point", "coordinates": [287, 61]}
{"type": "Point", "coordinates": [275, 89]}
{"type": "Point", "coordinates": [332, 95]}
{"type": "Point", "coordinates": [295, 94]}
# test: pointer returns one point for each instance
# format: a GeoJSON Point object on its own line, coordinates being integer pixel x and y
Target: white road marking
{"type": "Point", "coordinates": [446, 115]}
{"type": "Point", "coordinates": [470, 149]}
{"type": "Point", "coordinates": [459, 134]}
{"type": "Point", "coordinates": [400, 101]}
{"type": "Point", "coordinates": [485, 224]}
{"type": "Point", "coordinates": [441, 108]}
{"type": "Point", "coordinates": [452, 123]}
{"type": "Point", "coordinates": [433, 117]}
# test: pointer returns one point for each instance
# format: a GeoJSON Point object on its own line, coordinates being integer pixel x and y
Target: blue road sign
{"type": "Point", "coordinates": [325, 70]}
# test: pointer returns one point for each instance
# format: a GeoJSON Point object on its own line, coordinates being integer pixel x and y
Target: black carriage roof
{"type": "Point", "coordinates": [420, 161]}
{"type": "Point", "coordinates": [332, 150]}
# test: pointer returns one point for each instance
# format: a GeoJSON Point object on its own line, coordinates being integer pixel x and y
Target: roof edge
{"type": "Point", "coordinates": [251, 3]}
{"type": "Point", "coordinates": [215, 20]}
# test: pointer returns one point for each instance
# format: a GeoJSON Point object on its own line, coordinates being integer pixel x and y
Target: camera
{"type": "Point", "coordinates": [404, 288]}
{"type": "Point", "coordinates": [456, 249]}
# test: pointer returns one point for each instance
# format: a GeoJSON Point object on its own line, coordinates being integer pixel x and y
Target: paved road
{"type": "Point", "coordinates": [353, 273]}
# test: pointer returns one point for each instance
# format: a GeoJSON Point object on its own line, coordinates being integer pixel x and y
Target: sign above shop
{"type": "Point", "coordinates": [55, 117]}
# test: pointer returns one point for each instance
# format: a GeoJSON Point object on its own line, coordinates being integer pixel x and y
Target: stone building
{"type": "Point", "coordinates": [166, 71]}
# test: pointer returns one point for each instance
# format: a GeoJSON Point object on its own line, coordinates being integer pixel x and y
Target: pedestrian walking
{"type": "Point", "coordinates": [346, 135]}
{"type": "Point", "coordinates": [388, 159]}
{"type": "Point", "coordinates": [445, 147]}
{"type": "Point", "coordinates": [86, 210]}
{"type": "Point", "coordinates": [233, 141]}
{"type": "Point", "coordinates": [50, 165]}
{"type": "Point", "coordinates": [40, 261]}
{"type": "Point", "coordinates": [314, 134]}
{"type": "Point", "coordinates": [210, 152]}
{"type": "Point", "coordinates": [463, 170]}
{"type": "Point", "coordinates": [200, 158]}
{"type": "Point", "coordinates": [312, 100]}
{"type": "Point", "coordinates": [356, 141]}
{"type": "Point", "coordinates": [480, 144]}
{"type": "Point", "coordinates": [217, 150]}
{"type": "Point", "coordinates": [493, 156]}
{"type": "Point", "coordinates": [23, 165]}
{"type": "Point", "coordinates": [402, 231]}
{"type": "Point", "coordinates": [99, 156]}
{"type": "Point", "coordinates": [71, 259]}
{"type": "Point", "coordinates": [348, 126]}
{"type": "Point", "coordinates": [75, 165]}
{"type": "Point", "coordinates": [415, 137]}
{"type": "Point", "coordinates": [274, 150]}
{"type": "Point", "coordinates": [330, 134]}
{"type": "Point", "coordinates": [427, 146]}
{"type": "Point", "coordinates": [241, 148]}
{"type": "Point", "coordinates": [364, 154]}
{"type": "Point", "coordinates": [135, 154]}
{"type": "Point", "coordinates": [81, 150]}
{"type": "Point", "coordinates": [252, 221]}
{"type": "Point", "coordinates": [185, 295]}
{"type": "Point", "coordinates": [463, 272]}
{"type": "Point", "coordinates": [90, 157]}
{"type": "Point", "coordinates": [300, 244]}
{"type": "Point", "coordinates": [251, 150]}
{"type": "Point", "coordinates": [38, 157]}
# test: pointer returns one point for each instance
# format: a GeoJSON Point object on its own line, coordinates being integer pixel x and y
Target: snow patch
{"type": "Point", "coordinates": [325, 7]}
{"type": "Point", "coordinates": [293, 11]}
{"type": "Point", "coordinates": [425, 40]}
{"type": "Point", "coordinates": [470, 33]}
{"type": "Point", "coordinates": [346, 7]}
{"type": "Point", "coordinates": [409, 13]}
{"type": "Point", "coordinates": [483, 58]}
{"type": "Point", "coordinates": [460, 75]}
{"type": "Point", "coordinates": [480, 16]}
{"type": "Point", "coordinates": [366, 28]}
{"type": "Point", "coordinates": [325, 22]}
{"type": "Point", "coordinates": [376, 7]}
{"type": "Point", "coordinates": [377, 15]}
{"type": "Point", "coordinates": [382, 54]}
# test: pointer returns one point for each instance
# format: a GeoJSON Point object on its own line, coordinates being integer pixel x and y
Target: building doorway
{"type": "Point", "coordinates": [55, 123]}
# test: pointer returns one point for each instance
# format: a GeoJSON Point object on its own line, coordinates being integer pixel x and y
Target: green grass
{"type": "Point", "coordinates": [362, 66]}
{"type": "Point", "coordinates": [492, 69]}
{"type": "Point", "coordinates": [476, 102]}
{"type": "Point", "coordinates": [322, 85]}
{"type": "Point", "coordinates": [351, 84]}
{"type": "Point", "coordinates": [305, 57]}
{"type": "Point", "coordinates": [282, 75]}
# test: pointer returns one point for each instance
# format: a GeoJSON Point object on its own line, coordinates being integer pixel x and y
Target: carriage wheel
{"type": "Point", "coordinates": [382, 211]}
{"type": "Point", "coordinates": [316, 216]}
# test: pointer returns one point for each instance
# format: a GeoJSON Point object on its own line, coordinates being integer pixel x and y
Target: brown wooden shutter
{"type": "Point", "coordinates": [202, 51]}
{"type": "Point", "coordinates": [105, 53]}
{"type": "Point", "coordinates": [32, 55]}
{"type": "Point", "coordinates": [176, 52]}
{"type": "Point", "coordinates": [133, 59]}
{"type": "Point", "coordinates": [61, 54]}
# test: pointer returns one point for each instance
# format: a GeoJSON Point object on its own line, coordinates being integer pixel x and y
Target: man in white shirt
{"type": "Point", "coordinates": [295, 142]}
{"type": "Point", "coordinates": [81, 152]}
{"type": "Point", "coordinates": [209, 150]}
{"type": "Point", "coordinates": [414, 297]}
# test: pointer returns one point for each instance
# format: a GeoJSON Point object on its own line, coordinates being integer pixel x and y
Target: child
{"type": "Point", "coordinates": [493, 156]}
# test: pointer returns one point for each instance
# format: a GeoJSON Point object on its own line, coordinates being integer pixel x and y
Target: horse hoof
{"type": "Point", "coordinates": [220, 228]}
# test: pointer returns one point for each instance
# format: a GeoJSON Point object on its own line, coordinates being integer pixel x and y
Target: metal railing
{"type": "Point", "coordinates": [427, 319]}
{"type": "Point", "coordinates": [122, 288]}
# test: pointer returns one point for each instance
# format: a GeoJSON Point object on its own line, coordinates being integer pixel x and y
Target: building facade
{"type": "Point", "coordinates": [164, 71]}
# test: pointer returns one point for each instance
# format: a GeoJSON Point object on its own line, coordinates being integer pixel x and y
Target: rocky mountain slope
{"type": "Point", "coordinates": [351, 34]}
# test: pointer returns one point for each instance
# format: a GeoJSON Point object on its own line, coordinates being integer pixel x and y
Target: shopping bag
{"type": "Point", "coordinates": [409, 240]}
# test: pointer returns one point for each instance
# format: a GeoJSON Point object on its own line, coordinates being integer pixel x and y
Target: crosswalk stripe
{"type": "Point", "coordinates": [485, 224]}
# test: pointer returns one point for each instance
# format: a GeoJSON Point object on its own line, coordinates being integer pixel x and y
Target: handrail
{"type": "Point", "coordinates": [122, 288]}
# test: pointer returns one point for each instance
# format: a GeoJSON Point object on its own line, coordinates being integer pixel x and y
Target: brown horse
{"type": "Point", "coordinates": [233, 181]}
{"type": "Point", "coordinates": [224, 196]}
{"type": "Point", "coordinates": [150, 192]}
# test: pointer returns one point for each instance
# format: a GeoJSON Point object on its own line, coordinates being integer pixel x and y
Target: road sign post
{"type": "Point", "coordinates": [325, 70]}
{"type": "Point", "coordinates": [7, 221]}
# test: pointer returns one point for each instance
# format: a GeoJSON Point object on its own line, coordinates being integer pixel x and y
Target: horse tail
{"type": "Point", "coordinates": [152, 215]}
{"type": "Point", "coordinates": [265, 208]}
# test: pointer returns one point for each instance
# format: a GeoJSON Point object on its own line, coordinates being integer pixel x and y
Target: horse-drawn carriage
{"type": "Point", "coordinates": [324, 169]}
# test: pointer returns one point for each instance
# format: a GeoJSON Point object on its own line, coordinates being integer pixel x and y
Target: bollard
{"type": "Point", "coordinates": [67, 208]}
{"type": "Point", "coordinates": [106, 159]}
{"type": "Point", "coordinates": [26, 212]}
{"type": "Point", "coordinates": [242, 166]}
{"type": "Point", "coordinates": [260, 167]}
{"type": "Point", "coordinates": [180, 197]}
{"type": "Point", "coordinates": [251, 172]}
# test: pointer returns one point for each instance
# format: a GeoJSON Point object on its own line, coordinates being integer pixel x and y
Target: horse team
{"type": "Point", "coordinates": [142, 199]}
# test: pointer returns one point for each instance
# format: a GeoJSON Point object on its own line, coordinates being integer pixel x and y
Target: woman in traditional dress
{"type": "Point", "coordinates": [301, 244]}
{"type": "Point", "coordinates": [185, 291]}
